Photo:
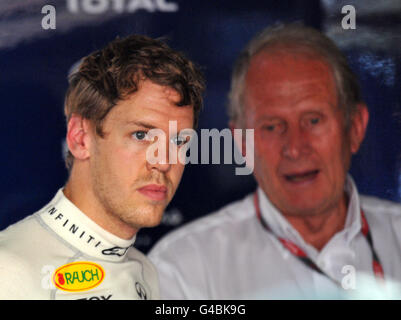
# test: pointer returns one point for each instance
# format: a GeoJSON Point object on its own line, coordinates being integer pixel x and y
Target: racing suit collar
{"type": "Point", "coordinates": [80, 232]}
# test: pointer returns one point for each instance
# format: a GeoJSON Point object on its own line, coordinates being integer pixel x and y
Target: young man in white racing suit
{"type": "Point", "coordinates": [79, 246]}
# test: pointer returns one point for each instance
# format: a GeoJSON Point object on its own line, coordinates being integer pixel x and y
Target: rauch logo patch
{"type": "Point", "coordinates": [78, 276]}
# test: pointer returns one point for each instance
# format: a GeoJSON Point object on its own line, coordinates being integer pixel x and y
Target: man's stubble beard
{"type": "Point", "coordinates": [127, 206]}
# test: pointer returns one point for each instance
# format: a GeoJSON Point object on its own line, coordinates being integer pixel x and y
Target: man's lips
{"type": "Point", "coordinates": [301, 176]}
{"type": "Point", "coordinates": [154, 192]}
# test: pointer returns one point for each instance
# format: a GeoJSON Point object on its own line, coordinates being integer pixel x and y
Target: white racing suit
{"type": "Point", "coordinates": [59, 253]}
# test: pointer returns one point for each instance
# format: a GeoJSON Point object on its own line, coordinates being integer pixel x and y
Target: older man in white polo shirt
{"type": "Point", "coordinates": [305, 232]}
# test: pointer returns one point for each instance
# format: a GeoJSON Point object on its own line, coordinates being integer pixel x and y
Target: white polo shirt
{"type": "Point", "coordinates": [229, 255]}
{"type": "Point", "coordinates": [59, 253]}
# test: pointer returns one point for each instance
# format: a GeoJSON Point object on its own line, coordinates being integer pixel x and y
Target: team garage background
{"type": "Point", "coordinates": [35, 60]}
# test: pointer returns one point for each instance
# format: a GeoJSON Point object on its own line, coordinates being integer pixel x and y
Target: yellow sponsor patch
{"type": "Point", "coordinates": [78, 276]}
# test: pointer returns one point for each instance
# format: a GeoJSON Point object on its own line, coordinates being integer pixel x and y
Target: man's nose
{"type": "Point", "coordinates": [161, 160]}
{"type": "Point", "coordinates": [161, 166]}
{"type": "Point", "coordinates": [296, 144]}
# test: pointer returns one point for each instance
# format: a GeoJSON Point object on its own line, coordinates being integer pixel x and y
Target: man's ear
{"type": "Point", "coordinates": [78, 137]}
{"type": "Point", "coordinates": [359, 123]}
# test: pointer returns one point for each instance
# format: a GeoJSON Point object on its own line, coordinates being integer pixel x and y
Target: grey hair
{"type": "Point", "coordinates": [295, 36]}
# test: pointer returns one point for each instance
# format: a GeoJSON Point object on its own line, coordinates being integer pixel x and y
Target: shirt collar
{"type": "Point", "coordinates": [353, 221]}
{"type": "Point", "coordinates": [79, 231]}
{"type": "Point", "coordinates": [282, 228]}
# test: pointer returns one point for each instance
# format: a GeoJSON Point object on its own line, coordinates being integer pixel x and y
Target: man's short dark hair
{"type": "Point", "coordinates": [113, 73]}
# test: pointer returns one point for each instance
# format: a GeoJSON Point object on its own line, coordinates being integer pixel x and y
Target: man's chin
{"type": "Point", "coordinates": [150, 225]}
{"type": "Point", "coordinates": [304, 209]}
{"type": "Point", "coordinates": [148, 220]}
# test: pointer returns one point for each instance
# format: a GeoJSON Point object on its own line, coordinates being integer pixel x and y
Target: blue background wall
{"type": "Point", "coordinates": [34, 64]}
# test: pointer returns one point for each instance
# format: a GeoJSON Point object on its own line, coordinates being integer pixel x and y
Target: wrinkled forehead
{"type": "Point", "coordinates": [281, 72]}
{"type": "Point", "coordinates": [287, 61]}
{"type": "Point", "coordinates": [301, 50]}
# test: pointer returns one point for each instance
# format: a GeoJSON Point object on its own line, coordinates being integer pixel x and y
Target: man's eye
{"type": "Point", "coordinates": [179, 141]}
{"type": "Point", "coordinates": [140, 135]}
{"type": "Point", "coordinates": [274, 127]}
{"type": "Point", "coordinates": [314, 120]}
{"type": "Point", "coordinates": [270, 127]}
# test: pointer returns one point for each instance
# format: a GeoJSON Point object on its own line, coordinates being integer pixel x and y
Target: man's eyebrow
{"type": "Point", "coordinates": [140, 124]}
